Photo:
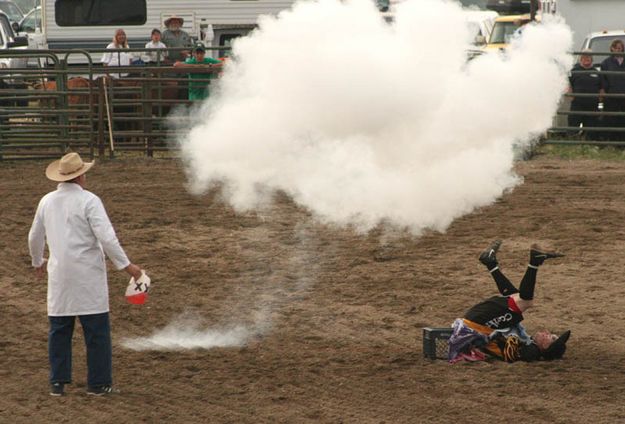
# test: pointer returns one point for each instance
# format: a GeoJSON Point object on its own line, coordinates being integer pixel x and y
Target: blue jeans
{"type": "Point", "coordinates": [97, 331]}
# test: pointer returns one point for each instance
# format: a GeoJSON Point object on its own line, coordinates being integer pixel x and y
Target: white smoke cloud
{"type": "Point", "coordinates": [361, 121]}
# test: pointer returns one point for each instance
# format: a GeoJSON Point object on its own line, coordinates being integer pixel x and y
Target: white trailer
{"type": "Point", "coordinates": [90, 24]}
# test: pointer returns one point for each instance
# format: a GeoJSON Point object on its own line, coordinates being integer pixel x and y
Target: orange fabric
{"type": "Point", "coordinates": [491, 347]}
{"type": "Point", "coordinates": [482, 329]}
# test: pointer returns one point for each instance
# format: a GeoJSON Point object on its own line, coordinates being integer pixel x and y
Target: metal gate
{"type": "Point", "coordinates": [51, 107]}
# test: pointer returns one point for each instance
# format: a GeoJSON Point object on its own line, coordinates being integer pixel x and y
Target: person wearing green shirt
{"type": "Point", "coordinates": [198, 83]}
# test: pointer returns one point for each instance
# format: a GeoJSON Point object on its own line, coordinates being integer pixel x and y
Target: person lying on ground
{"type": "Point", "coordinates": [493, 327]}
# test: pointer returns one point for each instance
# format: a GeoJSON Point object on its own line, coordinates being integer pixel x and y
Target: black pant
{"type": "Point", "coordinates": [614, 105]}
{"type": "Point", "coordinates": [97, 333]}
{"type": "Point", "coordinates": [585, 120]}
{"type": "Point", "coordinates": [506, 288]}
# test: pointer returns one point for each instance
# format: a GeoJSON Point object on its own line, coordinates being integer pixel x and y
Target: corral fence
{"type": "Point", "coordinates": [60, 100]}
{"type": "Point", "coordinates": [589, 122]}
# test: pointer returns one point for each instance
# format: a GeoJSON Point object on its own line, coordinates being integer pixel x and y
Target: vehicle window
{"type": "Point", "coordinates": [6, 27]}
{"type": "Point", "coordinates": [12, 11]}
{"type": "Point", "coordinates": [503, 32]}
{"type": "Point", "coordinates": [27, 5]}
{"type": "Point", "coordinates": [32, 21]}
{"type": "Point", "coordinates": [602, 44]}
{"type": "Point", "coordinates": [100, 12]}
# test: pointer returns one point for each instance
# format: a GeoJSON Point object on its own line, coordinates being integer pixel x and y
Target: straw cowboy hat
{"type": "Point", "coordinates": [174, 18]}
{"type": "Point", "coordinates": [67, 168]}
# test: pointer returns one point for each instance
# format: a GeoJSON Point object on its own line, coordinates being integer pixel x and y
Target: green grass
{"type": "Point", "coordinates": [582, 152]}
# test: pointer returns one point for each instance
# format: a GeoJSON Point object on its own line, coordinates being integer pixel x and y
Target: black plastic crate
{"type": "Point", "coordinates": [435, 342]}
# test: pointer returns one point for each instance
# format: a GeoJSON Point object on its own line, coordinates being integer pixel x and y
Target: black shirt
{"type": "Point", "coordinates": [613, 83]}
{"type": "Point", "coordinates": [586, 83]}
{"type": "Point", "coordinates": [494, 313]}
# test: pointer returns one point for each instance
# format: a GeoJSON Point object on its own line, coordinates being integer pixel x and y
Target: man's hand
{"type": "Point", "coordinates": [40, 271]}
{"type": "Point", "coordinates": [133, 270]}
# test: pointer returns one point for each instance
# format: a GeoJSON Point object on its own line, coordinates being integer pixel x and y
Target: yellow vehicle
{"type": "Point", "coordinates": [505, 28]}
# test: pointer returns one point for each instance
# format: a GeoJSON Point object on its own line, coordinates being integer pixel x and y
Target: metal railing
{"type": "Point", "coordinates": [607, 124]}
{"type": "Point", "coordinates": [48, 109]}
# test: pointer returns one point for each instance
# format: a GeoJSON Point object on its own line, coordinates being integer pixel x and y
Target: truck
{"type": "Point", "coordinates": [90, 24]}
{"type": "Point", "coordinates": [9, 63]}
{"type": "Point", "coordinates": [9, 41]}
{"type": "Point", "coordinates": [507, 26]}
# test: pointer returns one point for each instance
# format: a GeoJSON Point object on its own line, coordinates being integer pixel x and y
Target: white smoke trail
{"type": "Point", "coordinates": [253, 303]}
{"type": "Point", "coordinates": [362, 122]}
{"type": "Point", "coordinates": [183, 334]}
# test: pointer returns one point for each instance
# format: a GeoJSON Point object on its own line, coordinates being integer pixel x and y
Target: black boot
{"type": "Point", "coordinates": [538, 255]}
{"type": "Point", "coordinates": [489, 256]}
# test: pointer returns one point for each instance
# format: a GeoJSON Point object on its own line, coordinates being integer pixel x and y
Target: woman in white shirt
{"type": "Point", "coordinates": [154, 43]}
{"type": "Point", "coordinates": [118, 58]}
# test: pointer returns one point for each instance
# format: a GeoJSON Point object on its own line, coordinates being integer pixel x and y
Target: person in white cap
{"type": "Point", "coordinates": [78, 232]}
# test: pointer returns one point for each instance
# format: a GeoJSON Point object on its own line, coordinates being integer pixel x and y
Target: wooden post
{"type": "Point", "coordinates": [146, 105]}
{"type": "Point", "coordinates": [61, 86]}
{"type": "Point", "coordinates": [101, 148]}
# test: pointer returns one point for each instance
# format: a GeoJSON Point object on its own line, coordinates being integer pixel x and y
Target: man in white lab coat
{"type": "Point", "coordinates": [78, 232]}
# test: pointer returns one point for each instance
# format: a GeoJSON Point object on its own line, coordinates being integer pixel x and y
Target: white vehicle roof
{"type": "Point", "coordinates": [600, 42]}
{"type": "Point", "coordinates": [606, 33]}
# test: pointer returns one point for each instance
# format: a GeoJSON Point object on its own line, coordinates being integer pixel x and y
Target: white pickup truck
{"type": "Point", "coordinates": [600, 42]}
{"type": "Point", "coordinates": [10, 42]}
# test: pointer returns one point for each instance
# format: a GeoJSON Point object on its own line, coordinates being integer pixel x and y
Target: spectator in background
{"type": "Point", "coordinates": [154, 43]}
{"type": "Point", "coordinates": [117, 58]}
{"type": "Point", "coordinates": [582, 81]}
{"type": "Point", "coordinates": [198, 90]}
{"type": "Point", "coordinates": [175, 37]}
{"type": "Point", "coordinates": [614, 84]}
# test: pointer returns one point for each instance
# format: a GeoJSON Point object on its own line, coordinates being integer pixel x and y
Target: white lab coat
{"type": "Point", "coordinates": [78, 231]}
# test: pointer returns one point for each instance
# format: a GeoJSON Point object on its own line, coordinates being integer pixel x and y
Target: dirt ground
{"type": "Point", "coordinates": [341, 334]}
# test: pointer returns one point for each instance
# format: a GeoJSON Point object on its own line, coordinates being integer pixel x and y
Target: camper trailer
{"type": "Point", "coordinates": [90, 24]}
